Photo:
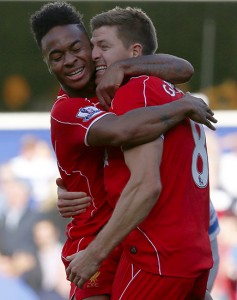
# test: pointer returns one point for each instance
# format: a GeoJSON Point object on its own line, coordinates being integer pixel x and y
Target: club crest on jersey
{"type": "Point", "coordinates": [93, 281]}
{"type": "Point", "coordinates": [88, 112]}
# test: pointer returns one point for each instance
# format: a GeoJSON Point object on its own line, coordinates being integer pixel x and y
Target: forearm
{"type": "Point", "coordinates": [138, 126]}
{"type": "Point", "coordinates": [169, 116]}
{"type": "Point", "coordinates": [135, 203]}
{"type": "Point", "coordinates": [137, 199]}
{"type": "Point", "coordinates": [165, 66]}
{"type": "Point", "coordinates": [133, 206]}
{"type": "Point", "coordinates": [126, 216]}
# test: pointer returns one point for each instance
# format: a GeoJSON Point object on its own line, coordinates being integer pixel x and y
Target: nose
{"type": "Point", "coordinates": [69, 58]}
{"type": "Point", "coordinates": [95, 53]}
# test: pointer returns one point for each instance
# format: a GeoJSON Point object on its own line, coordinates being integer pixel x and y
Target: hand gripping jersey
{"type": "Point", "coordinates": [81, 167]}
{"type": "Point", "coordinates": [173, 239]}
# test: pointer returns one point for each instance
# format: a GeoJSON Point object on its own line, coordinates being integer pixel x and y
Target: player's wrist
{"type": "Point", "coordinates": [97, 252]}
{"type": "Point", "coordinates": [124, 67]}
{"type": "Point", "coordinates": [188, 105]}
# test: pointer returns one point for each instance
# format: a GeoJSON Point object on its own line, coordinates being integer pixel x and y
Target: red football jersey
{"type": "Point", "coordinates": [80, 165]}
{"type": "Point", "coordinates": [173, 240]}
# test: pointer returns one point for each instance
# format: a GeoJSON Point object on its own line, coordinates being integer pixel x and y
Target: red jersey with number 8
{"type": "Point", "coordinates": [173, 239]}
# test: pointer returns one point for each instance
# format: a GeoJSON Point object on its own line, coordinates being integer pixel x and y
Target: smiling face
{"type": "Point", "coordinates": [107, 49]}
{"type": "Point", "coordinates": [67, 52]}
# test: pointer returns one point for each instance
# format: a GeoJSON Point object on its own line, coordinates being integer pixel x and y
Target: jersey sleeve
{"type": "Point", "coordinates": [74, 117]}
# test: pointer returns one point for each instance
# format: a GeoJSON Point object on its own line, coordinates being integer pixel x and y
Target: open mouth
{"type": "Point", "coordinates": [100, 68]}
{"type": "Point", "coordinates": [76, 73]}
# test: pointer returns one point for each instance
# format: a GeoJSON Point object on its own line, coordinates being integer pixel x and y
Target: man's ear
{"type": "Point", "coordinates": [136, 50]}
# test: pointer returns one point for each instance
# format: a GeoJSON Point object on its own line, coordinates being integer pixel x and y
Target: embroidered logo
{"type": "Point", "coordinates": [93, 281]}
{"type": "Point", "coordinates": [86, 113]}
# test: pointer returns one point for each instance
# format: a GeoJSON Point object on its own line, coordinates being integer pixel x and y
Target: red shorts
{"type": "Point", "coordinates": [99, 284]}
{"type": "Point", "coordinates": [131, 283]}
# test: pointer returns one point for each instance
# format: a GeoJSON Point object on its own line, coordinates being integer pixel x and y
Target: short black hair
{"type": "Point", "coordinates": [53, 14]}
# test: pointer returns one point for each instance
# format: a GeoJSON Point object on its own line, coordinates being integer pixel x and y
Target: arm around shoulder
{"type": "Point", "coordinates": [143, 125]}
{"type": "Point", "coordinates": [165, 66]}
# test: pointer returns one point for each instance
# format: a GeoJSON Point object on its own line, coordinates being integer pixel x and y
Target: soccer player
{"type": "Point", "coordinates": [76, 119]}
{"type": "Point", "coordinates": [160, 190]}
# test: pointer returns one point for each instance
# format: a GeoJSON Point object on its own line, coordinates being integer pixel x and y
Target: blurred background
{"type": "Point", "coordinates": [31, 230]}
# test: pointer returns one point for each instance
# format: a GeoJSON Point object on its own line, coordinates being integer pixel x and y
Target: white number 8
{"type": "Point", "coordinates": [199, 177]}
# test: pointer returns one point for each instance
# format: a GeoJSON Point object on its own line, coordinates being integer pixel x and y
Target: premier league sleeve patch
{"type": "Point", "coordinates": [88, 112]}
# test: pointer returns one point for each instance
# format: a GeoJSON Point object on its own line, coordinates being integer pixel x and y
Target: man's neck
{"type": "Point", "coordinates": [87, 92]}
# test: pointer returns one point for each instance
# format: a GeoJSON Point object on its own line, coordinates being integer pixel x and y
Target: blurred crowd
{"type": "Point", "coordinates": [222, 152]}
{"type": "Point", "coordinates": [32, 232]}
